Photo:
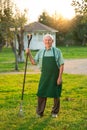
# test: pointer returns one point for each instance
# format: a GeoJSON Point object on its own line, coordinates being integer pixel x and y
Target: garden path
{"type": "Point", "coordinates": [72, 66]}
{"type": "Point", "coordinates": [76, 66]}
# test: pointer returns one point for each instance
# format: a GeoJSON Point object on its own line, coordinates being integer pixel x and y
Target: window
{"type": "Point", "coordinates": [40, 36]}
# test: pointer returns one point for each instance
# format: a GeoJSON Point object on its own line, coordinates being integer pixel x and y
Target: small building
{"type": "Point", "coordinates": [38, 30]}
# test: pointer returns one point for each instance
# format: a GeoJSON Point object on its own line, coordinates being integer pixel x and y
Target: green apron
{"type": "Point", "coordinates": [48, 81]}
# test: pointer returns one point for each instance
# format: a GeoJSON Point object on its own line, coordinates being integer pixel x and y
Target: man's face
{"type": "Point", "coordinates": [48, 42]}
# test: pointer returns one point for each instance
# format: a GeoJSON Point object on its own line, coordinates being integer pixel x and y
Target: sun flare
{"type": "Point", "coordinates": [36, 7]}
{"type": "Point", "coordinates": [67, 13]}
{"type": "Point", "coordinates": [64, 8]}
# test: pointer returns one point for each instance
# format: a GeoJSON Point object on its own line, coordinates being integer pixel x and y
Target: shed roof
{"type": "Point", "coordinates": [37, 26]}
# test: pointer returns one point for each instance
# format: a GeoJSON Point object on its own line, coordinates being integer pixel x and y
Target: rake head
{"type": "Point", "coordinates": [21, 114]}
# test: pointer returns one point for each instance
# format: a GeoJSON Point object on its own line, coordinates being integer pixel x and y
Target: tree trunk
{"type": "Point", "coordinates": [20, 47]}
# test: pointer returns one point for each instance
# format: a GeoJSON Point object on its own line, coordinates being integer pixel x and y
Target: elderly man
{"type": "Point", "coordinates": [51, 63]}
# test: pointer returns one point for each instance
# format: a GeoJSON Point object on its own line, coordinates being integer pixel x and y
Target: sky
{"type": "Point", "coordinates": [36, 7]}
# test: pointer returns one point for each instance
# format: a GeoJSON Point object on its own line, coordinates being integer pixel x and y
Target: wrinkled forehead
{"type": "Point", "coordinates": [48, 37]}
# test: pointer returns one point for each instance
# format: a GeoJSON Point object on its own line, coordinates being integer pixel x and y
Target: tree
{"type": "Point", "coordinates": [46, 19]}
{"type": "Point", "coordinates": [19, 22]}
{"type": "Point", "coordinates": [80, 9]}
{"type": "Point", "coordinates": [80, 32]}
{"type": "Point", "coordinates": [11, 17]}
{"type": "Point", "coordinates": [59, 23]}
{"type": "Point", "coordinates": [5, 17]}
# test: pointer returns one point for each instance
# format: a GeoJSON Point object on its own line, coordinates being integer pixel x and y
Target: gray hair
{"type": "Point", "coordinates": [48, 35]}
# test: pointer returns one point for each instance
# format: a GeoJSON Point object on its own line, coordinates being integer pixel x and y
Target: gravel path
{"type": "Point", "coordinates": [76, 66]}
{"type": "Point", "coordinates": [72, 66]}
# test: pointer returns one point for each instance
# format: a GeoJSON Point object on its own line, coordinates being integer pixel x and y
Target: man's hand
{"type": "Point", "coordinates": [59, 80]}
{"type": "Point", "coordinates": [27, 51]}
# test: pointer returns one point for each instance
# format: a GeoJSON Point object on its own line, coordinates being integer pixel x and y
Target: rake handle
{"type": "Point", "coordinates": [29, 39]}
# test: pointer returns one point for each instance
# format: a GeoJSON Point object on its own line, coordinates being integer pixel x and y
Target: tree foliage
{"type": "Point", "coordinates": [72, 31]}
{"type": "Point", "coordinates": [59, 23]}
{"type": "Point", "coordinates": [80, 9]}
{"type": "Point", "coordinates": [5, 20]}
{"type": "Point", "coordinates": [19, 21]}
{"type": "Point", "coordinates": [80, 30]}
{"type": "Point", "coordinates": [10, 16]}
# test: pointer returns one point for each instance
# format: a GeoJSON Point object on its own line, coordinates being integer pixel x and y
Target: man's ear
{"type": "Point", "coordinates": [52, 40]}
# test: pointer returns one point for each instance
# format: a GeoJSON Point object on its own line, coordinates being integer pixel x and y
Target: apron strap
{"type": "Point", "coordinates": [54, 53]}
{"type": "Point", "coordinates": [55, 56]}
{"type": "Point", "coordinates": [44, 53]}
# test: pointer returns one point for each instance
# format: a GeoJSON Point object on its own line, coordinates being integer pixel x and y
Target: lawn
{"type": "Point", "coordinates": [73, 111]}
{"type": "Point", "coordinates": [7, 60]}
{"type": "Point", "coordinates": [74, 52]}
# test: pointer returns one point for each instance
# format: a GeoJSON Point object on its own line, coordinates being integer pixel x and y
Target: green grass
{"type": "Point", "coordinates": [73, 111]}
{"type": "Point", "coordinates": [74, 52]}
{"type": "Point", "coordinates": [7, 61]}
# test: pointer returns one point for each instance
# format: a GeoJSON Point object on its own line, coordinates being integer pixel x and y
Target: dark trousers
{"type": "Point", "coordinates": [42, 103]}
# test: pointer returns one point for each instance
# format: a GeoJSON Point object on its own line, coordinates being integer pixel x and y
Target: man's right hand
{"type": "Point", "coordinates": [27, 51]}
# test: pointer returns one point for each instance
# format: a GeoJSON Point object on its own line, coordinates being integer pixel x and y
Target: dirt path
{"type": "Point", "coordinates": [76, 66]}
{"type": "Point", "coordinates": [72, 66]}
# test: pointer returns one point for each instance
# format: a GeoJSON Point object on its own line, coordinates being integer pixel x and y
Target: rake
{"type": "Point", "coordinates": [29, 37]}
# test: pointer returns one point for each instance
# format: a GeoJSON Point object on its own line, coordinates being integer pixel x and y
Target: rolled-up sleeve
{"type": "Point", "coordinates": [61, 60]}
{"type": "Point", "coordinates": [59, 57]}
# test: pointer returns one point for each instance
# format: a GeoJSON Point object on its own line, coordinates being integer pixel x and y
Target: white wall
{"type": "Point", "coordinates": [37, 40]}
